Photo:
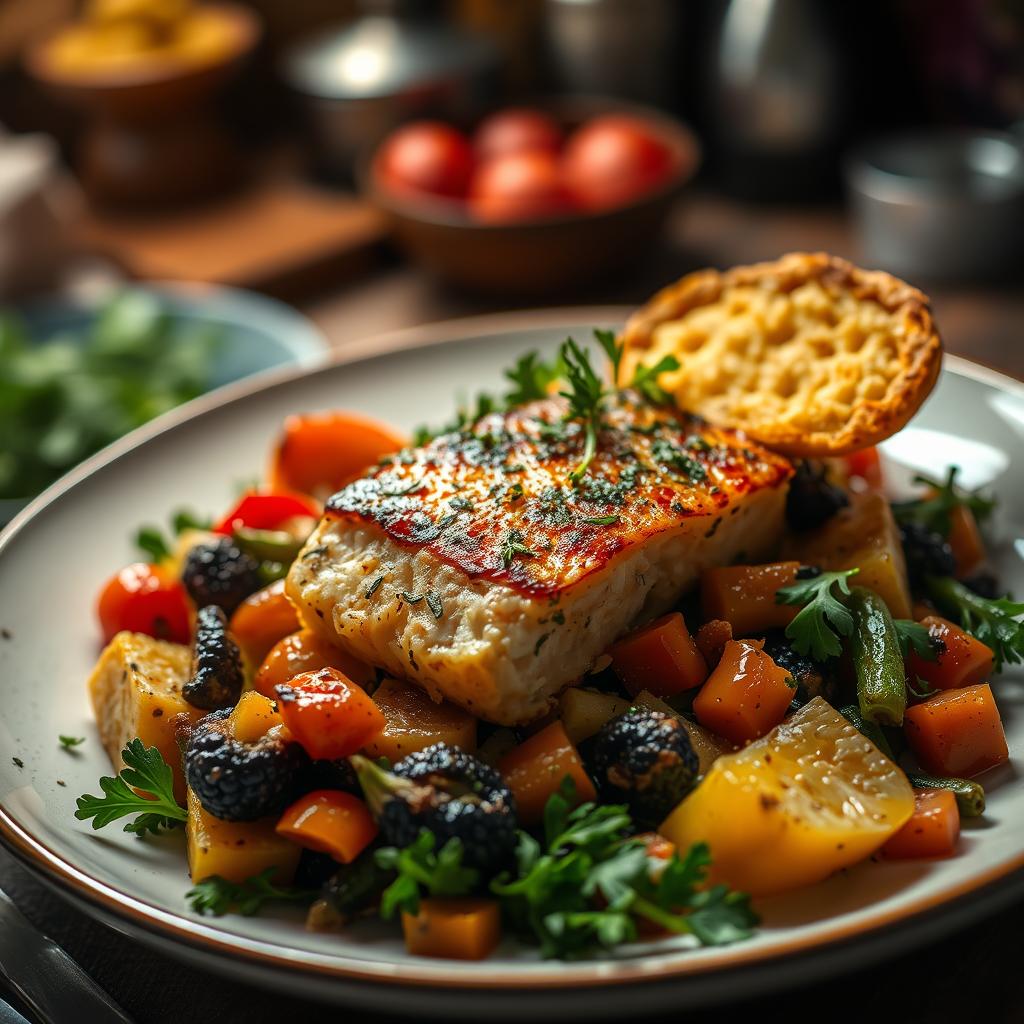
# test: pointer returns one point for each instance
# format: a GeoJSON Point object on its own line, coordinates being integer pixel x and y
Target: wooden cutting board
{"type": "Point", "coordinates": [280, 237]}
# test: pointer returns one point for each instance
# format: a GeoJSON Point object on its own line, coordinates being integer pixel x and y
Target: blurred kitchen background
{"type": "Point", "coordinates": [248, 150]}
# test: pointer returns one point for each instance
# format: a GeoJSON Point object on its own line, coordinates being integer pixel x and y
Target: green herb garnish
{"type": "Point", "coordinates": [422, 870]}
{"type": "Point", "coordinates": [70, 742]}
{"type": "Point", "coordinates": [645, 379]}
{"type": "Point", "coordinates": [154, 804]}
{"type": "Point", "coordinates": [915, 637]}
{"type": "Point", "coordinates": [531, 378]}
{"type": "Point", "coordinates": [217, 896]}
{"type": "Point", "coordinates": [993, 622]}
{"type": "Point", "coordinates": [602, 520]}
{"type": "Point", "coordinates": [584, 393]}
{"type": "Point", "coordinates": [823, 617]}
{"type": "Point", "coordinates": [513, 546]}
{"type": "Point", "coordinates": [934, 511]}
{"type": "Point", "coordinates": [434, 604]}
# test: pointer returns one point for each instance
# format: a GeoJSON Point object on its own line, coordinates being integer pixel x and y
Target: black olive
{"type": "Point", "coordinates": [221, 573]}
{"type": "Point", "coordinates": [216, 680]}
{"type": "Point", "coordinates": [812, 499]}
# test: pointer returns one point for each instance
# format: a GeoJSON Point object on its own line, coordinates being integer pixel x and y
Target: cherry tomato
{"type": "Point", "coordinates": [518, 187]}
{"type": "Point", "coordinates": [613, 160]}
{"type": "Point", "coordinates": [147, 599]}
{"type": "Point", "coordinates": [516, 130]}
{"type": "Point", "coordinates": [425, 156]}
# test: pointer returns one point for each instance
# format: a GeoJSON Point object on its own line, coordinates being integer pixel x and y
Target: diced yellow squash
{"type": "Point", "coordinates": [253, 717]}
{"type": "Point", "coordinates": [415, 722]}
{"type": "Point", "coordinates": [236, 850]}
{"type": "Point", "coordinates": [135, 690]}
{"type": "Point", "coordinates": [584, 712]}
{"type": "Point", "coordinates": [863, 536]}
{"type": "Point", "coordinates": [706, 745]}
{"type": "Point", "coordinates": [792, 808]}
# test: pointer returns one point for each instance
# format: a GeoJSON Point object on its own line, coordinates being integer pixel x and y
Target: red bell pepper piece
{"type": "Point", "coordinates": [266, 511]}
{"type": "Point", "coordinates": [328, 714]}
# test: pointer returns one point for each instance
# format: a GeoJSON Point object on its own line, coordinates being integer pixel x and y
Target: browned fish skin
{"type": "Point", "coordinates": [496, 501]}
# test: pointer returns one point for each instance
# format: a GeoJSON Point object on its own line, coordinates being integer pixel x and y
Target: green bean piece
{"type": "Point", "coordinates": [873, 732]}
{"type": "Point", "coordinates": [877, 660]}
{"type": "Point", "coordinates": [970, 795]}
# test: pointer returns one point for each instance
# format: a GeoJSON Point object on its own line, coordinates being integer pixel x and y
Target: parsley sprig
{"type": "Point", "coordinates": [645, 379]}
{"type": "Point", "coordinates": [935, 510]}
{"type": "Point", "coordinates": [217, 896]}
{"type": "Point", "coordinates": [419, 868]}
{"type": "Point", "coordinates": [995, 623]}
{"type": "Point", "coordinates": [587, 882]}
{"type": "Point", "coordinates": [584, 392]}
{"type": "Point", "coordinates": [144, 787]}
{"type": "Point", "coordinates": [914, 637]}
{"type": "Point", "coordinates": [823, 618]}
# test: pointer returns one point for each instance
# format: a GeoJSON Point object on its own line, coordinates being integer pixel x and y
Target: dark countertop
{"type": "Point", "coordinates": [950, 980]}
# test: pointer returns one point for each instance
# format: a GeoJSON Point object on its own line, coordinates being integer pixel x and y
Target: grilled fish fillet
{"type": "Point", "coordinates": [473, 566]}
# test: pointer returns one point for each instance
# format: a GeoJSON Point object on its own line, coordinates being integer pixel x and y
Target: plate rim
{"type": "Point", "coordinates": [438, 974]}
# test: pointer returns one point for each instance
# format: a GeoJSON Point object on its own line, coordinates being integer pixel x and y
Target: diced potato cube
{"type": "Point", "coordinates": [584, 712]}
{"type": "Point", "coordinates": [863, 536]}
{"type": "Point", "coordinates": [415, 722]}
{"type": "Point", "coordinates": [135, 690]}
{"type": "Point", "coordinates": [236, 850]}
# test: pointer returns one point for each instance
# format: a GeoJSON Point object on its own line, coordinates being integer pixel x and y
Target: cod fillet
{"type": "Point", "coordinates": [474, 566]}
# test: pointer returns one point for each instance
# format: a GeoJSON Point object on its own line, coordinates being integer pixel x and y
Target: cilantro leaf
{"type": "Point", "coordinates": [994, 622]}
{"type": "Point", "coordinates": [913, 636]}
{"type": "Point", "coordinates": [823, 617]}
{"type": "Point", "coordinates": [418, 868]}
{"type": "Point", "coordinates": [645, 379]}
{"type": "Point", "coordinates": [145, 770]}
{"type": "Point", "coordinates": [217, 896]}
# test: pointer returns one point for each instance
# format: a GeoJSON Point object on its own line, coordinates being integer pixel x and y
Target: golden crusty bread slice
{"type": "Point", "coordinates": [808, 354]}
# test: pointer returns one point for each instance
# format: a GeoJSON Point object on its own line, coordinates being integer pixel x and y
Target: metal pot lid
{"type": "Point", "coordinates": [380, 56]}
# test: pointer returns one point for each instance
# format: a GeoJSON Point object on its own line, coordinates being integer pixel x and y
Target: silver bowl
{"type": "Point", "coordinates": [944, 206]}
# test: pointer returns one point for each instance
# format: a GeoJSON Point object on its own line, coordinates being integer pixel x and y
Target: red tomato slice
{"type": "Point", "coordinates": [328, 714]}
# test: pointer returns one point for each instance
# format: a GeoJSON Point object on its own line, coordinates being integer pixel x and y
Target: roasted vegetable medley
{"type": "Point", "coordinates": [786, 719]}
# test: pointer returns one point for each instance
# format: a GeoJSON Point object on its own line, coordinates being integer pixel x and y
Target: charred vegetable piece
{"type": "Point", "coordinates": [351, 890]}
{"type": "Point", "coordinates": [812, 498]}
{"type": "Point", "coordinates": [240, 781]}
{"type": "Point", "coordinates": [645, 759]}
{"type": "Point", "coordinates": [927, 553]}
{"type": "Point", "coordinates": [221, 573]}
{"type": "Point", "coordinates": [450, 793]}
{"type": "Point", "coordinates": [216, 680]}
{"type": "Point", "coordinates": [811, 677]}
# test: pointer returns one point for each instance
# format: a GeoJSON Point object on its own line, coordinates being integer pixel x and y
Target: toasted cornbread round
{"type": "Point", "coordinates": [809, 354]}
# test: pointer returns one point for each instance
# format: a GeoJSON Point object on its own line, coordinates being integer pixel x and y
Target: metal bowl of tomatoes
{"type": "Point", "coordinates": [532, 199]}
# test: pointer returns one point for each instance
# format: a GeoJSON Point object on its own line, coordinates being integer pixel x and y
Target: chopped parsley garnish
{"type": "Point", "coordinates": [217, 896]}
{"type": "Point", "coordinates": [147, 772]}
{"type": "Point", "coordinates": [915, 637]}
{"type": "Point", "coordinates": [515, 492]}
{"type": "Point", "coordinates": [461, 504]}
{"type": "Point", "coordinates": [612, 349]}
{"type": "Point", "coordinates": [530, 378]}
{"type": "Point", "coordinates": [411, 598]}
{"type": "Point", "coordinates": [70, 742]}
{"type": "Point", "coordinates": [671, 456]}
{"type": "Point", "coordinates": [513, 546]}
{"type": "Point", "coordinates": [993, 622]}
{"type": "Point", "coordinates": [434, 604]}
{"type": "Point", "coordinates": [372, 588]}
{"type": "Point", "coordinates": [823, 618]}
{"type": "Point", "coordinates": [934, 511]}
{"type": "Point", "coordinates": [645, 379]}
{"type": "Point", "coordinates": [422, 871]}
{"type": "Point", "coordinates": [602, 520]}
{"type": "Point", "coordinates": [585, 392]}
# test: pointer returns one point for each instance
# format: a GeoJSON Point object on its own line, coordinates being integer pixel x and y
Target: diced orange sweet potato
{"type": "Point", "coordinates": [536, 769]}
{"type": "Point", "coordinates": [329, 821]}
{"type": "Point", "coordinates": [661, 658]}
{"type": "Point", "coordinates": [932, 831]}
{"type": "Point", "coordinates": [261, 620]}
{"type": "Point", "coordinates": [306, 651]}
{"type": "Point", "coordinates": [456, 929]}
{"type": "Point", "coordinates": [965, 540]}
{"type": "Point", "coordinates": [964, 662]}
{"type": "Point", "coordinates": [236, 850]}
{"type": "Point", "coordinates": [957, 732]}
{"type": "Point", "coordinates": [744, 596]}
{"type": "Point", "coordinates": [413, 722]}
{"type": "Point", "coordinates": [746, 696]}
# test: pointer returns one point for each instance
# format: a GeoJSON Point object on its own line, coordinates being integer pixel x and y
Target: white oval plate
{"type": "Point", "coordinates": [55, 555]}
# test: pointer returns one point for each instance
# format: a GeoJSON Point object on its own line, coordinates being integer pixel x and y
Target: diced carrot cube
{"type": "Point", "coordinates": [329, 821]}
{"type": "Point", "coordinates": [932, 831]}
{"type": "Point", "coordinates": [964, 662]}
{"type": "Point", "coordinates": [965, 540]}
{"type": "Point", "coordinates": [261, 620]}
{"type": "Point", "coordinates": [536, 769]}
{"type": "Point", "coordinates": [306, 651]}
{"type": "Point", "coordinates": [458, 929]}
{"type": "Point", "coordinates": [957, 732]}
{"type": "Point", "coordinates": [661, 658]}
{"type": "Point", "coordinates": [744, 595]}
{"type": "Point", "coordinates": [746, 696]}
